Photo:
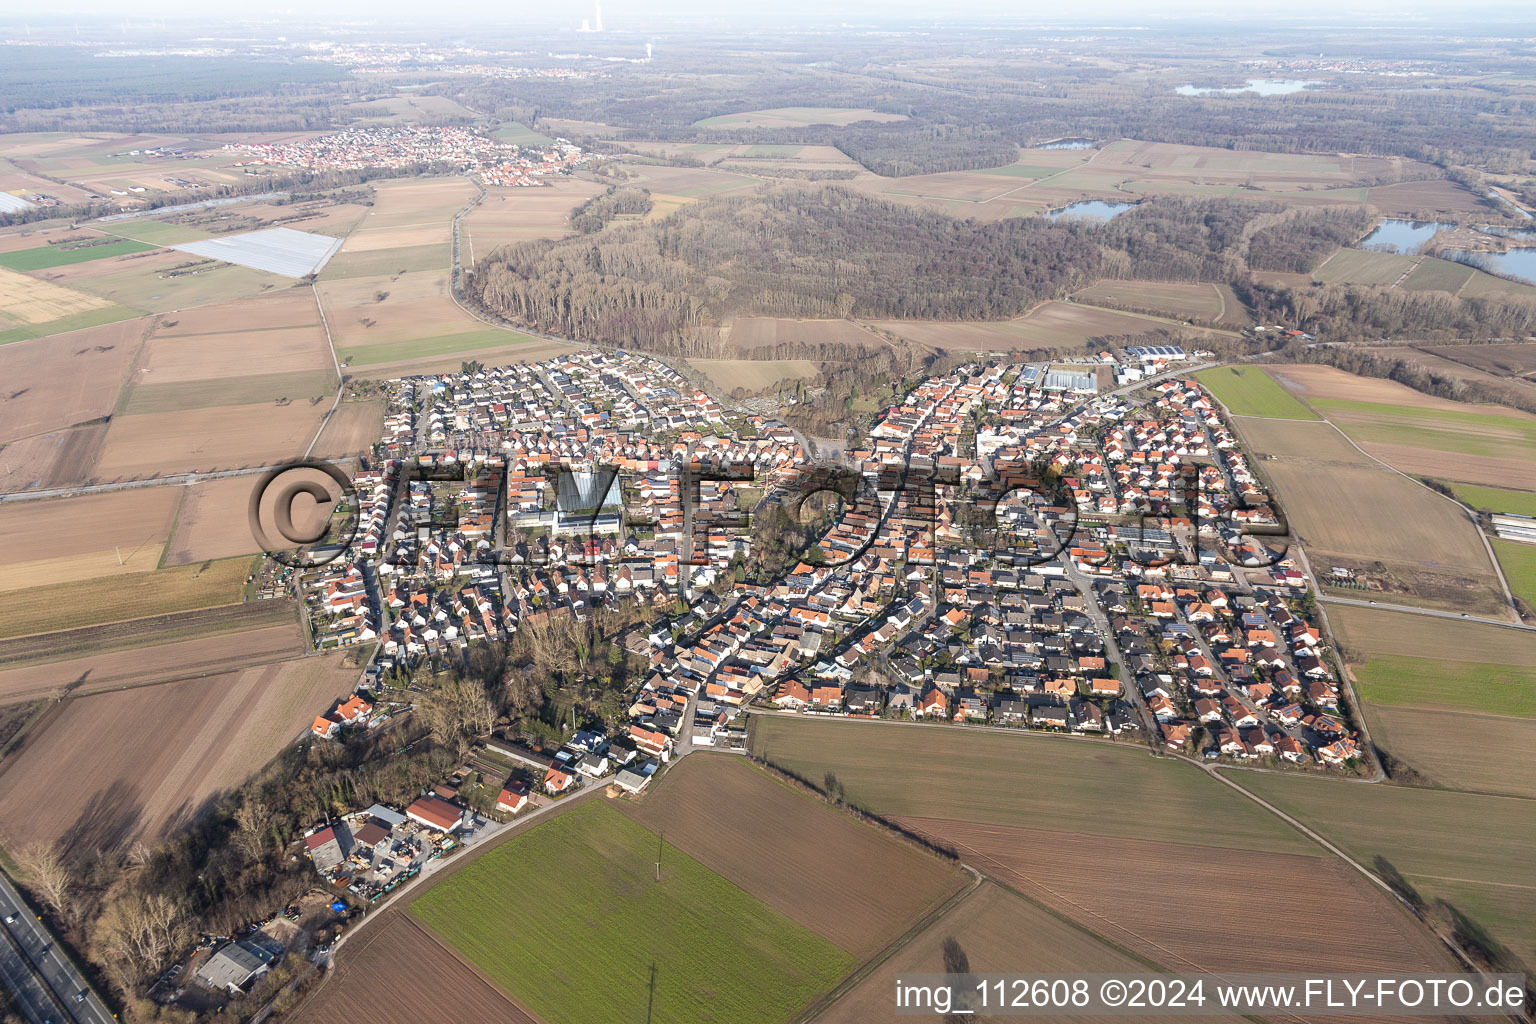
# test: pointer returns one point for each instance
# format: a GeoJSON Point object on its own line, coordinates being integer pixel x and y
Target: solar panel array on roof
{"type": "Point", "coordinates": [1147, 353]}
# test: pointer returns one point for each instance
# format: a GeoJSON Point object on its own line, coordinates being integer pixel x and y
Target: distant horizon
{"type": "Point", "coordinates": [619, 16]}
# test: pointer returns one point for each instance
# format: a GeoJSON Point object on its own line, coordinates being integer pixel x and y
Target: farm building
{"type": "Point", "coordinates": [434, 813]}
{"type": "Point", "coordinates": [1513, 527]}
{"type": "Point", "coordinates": [1155, 353]}
{"type": "Point", "coordinates": [233, 966]}
{"type": "Point", "coordinates": [325, 849]}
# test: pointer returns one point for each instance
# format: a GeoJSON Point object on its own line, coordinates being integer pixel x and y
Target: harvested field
{"type": "Point", "coordinates": [1133, 893]}
{"type": "Point", "coordinates": [687, 182]}
{"type": "Point", "coordinates": [711, 950]}
{"type": "Point", "coordinates": [1364, 266]}
{"type": "Point", "coordinates": [395, 944]}
{"type": "Point", "coordinates": [207, 439]}
{"type": "Point", "coordinates": [1356, 516]}
{"type": "Point", "coordinates": [1516, 359]}
{"type": "Point", "coordinates": [56, 382]}
{"type": "Point", "coordinates": [1442, 360]}
{"type": "Point", "coordinates": [1475, 444]}
{"type": "Point", "coordinates": [1418, 433]}
{"type": "Point", "coordinates": [367, 311]}
{"type": "Point", "coordinates": [1310, 440]}
{"type": "Point", "coordinates": [1050, 325]}
{"type": "Point", "coordinates": [1415, 198]}
{"type": "Point", "coordinates": [45, 461]}
{"type": "Point", "coordinates": [352, 429]}
{"type": "Point", "coordinates": [462, 344]}
{"type": "Point", "coordinates": [64, 606]}
{"type": "Point", "coordinates": [85, 537]}
{"type": "Point", "coordinates": [797, 117]}
{"type": "Point", "coordinates": [276, 250]}
{"type": "Point", "coordinates": [1093, 787]}
{"type": "Point", "coordinates": [156, 232]}
{"type": "Point", "coordinates": [213, 521]}
{"type": "Point", "coordinates": [972, 336]}
{"type": "Point", "coordinates": [144, 762]}
{"type": "Point", "coordinates": [753, 374]}
{"type": "Point", "coordinates": [1000, 932]}
{"type": "Point", "coordinates": [288, 308]}
{"type": "Point", "coordinates": [748, 333]}
{"type": "Point", "coordinates": [408, 259]}
{"type": "Point", "coordinates": [28, 300]}
{"type": "Point", "coordinates": [1212, 302]}
{"type": "Point", "coordinates": [182, 659]}
{"type": "Point", "coordinates": [510, 215]}
{"type": "Point", "coordinates": [734, 818]}
{"type": "Point", "coordinates": [498, 355]}
{"type": "Point", "coordinates": [1453, 466]}
{"type": "Point", "coordinates": [1447, 844]}
{"type": "Point", "coordinates": [245, 389]}
{"type": "Point", "coordinates": [1249, 391]}
{"type": "Point", "coordinates": [243, 352]}
{"type": "Point", "coordinates": [1457, 750]}
{"type": "Point", "coordinates": [410, 212]}
{"type": "Point", "coordinates": [161, 287]}
{"type": "Point", "coordinates": [146, 632]}
{"type": "Point", "coordinates": [1375, 631]}
{"type": "Point", "coordinates": [960, 187]}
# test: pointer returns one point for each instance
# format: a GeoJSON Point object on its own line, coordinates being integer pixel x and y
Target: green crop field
{"type": "Point", "coordinates": [1027, 780]}
{"type": "Point", "coordinates": [45, 256]}
{"type": "Point", "coordinates": [388, 262]}
{"type": "Point", "coordinates": [521, 135]}
{"type": "Point", "coordinates": [157, 232]}
{"type": "Point", "coordinates": [1447, 430]}
{"type": "Point", "coordinates": [1497, 499]}
{"type": "Point", "coordinates": [137, 595]}
{"type": "Point", "coordinates": [1470, 849]}
{"type": "Point", "coordinates": [1438, 275]}
{"type": "Point", "coordinates": [1519, 564]}
{"type": "Point", "coordinates": [569, 919]}
{"type": "Point", "coordinates": [74, 322]}
{"type": "Point", "coordinates": [179, 396]}
{"type": "Point", "coordinates": [1363, 266]}
{"type": "Point", "coordinates": [1468, 685]}
{"type": "Point", "coordinates": [1249, 391]}
{"type": "Point", "coordinates": [438, 345]}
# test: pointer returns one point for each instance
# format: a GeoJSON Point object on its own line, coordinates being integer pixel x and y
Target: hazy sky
{"type": "Point", "coordinates": [633, 13]}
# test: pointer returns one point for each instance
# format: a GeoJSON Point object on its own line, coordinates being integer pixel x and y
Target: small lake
{"type": "Point", "coordinates": [1261, 86]}
{"type": "Point", "coordinates": [1520, 263]}
{"type": "Point", "coordinates": [1403, 236]}
{"type": "Point", "coordinates": [1523, 235]}
{"type": "Point", "coordinates": [1089, 209]}
{"type": "Point", "coordinates": [1067, 144]}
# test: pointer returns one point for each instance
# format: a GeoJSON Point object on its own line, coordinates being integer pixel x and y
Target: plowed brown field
{"type": "Point", "coordinates": [820, 868]}
{"type": "Point", "coordinates": [118, 767]}
{"type": "Point", "coordinates": [425, 982]}
{"type": "Point", "coordinates": [1202, 908]}
{"type": "Point", "coordinates": [52, 383]}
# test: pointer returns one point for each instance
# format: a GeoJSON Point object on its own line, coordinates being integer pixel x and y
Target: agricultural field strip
{"type": "Point", "coordinates": [1493, 562]}
{"type": "Point", "coordinates": [515, 918]}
